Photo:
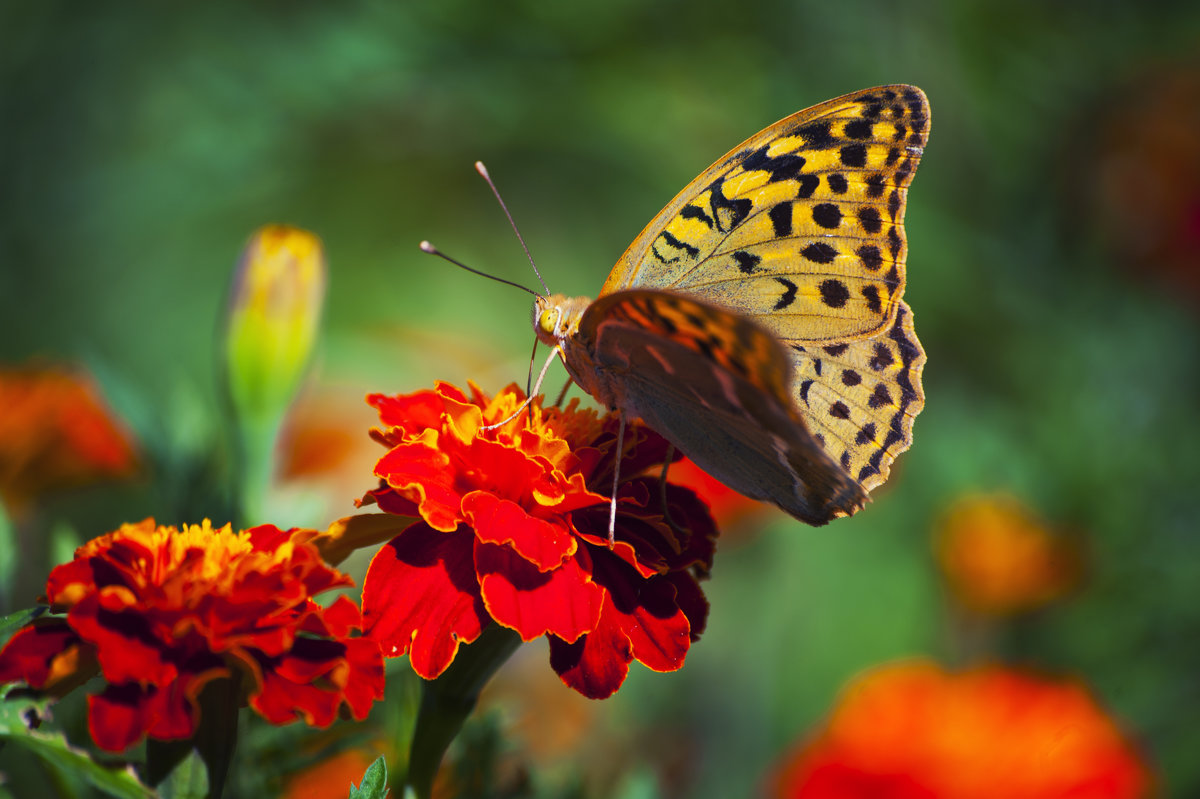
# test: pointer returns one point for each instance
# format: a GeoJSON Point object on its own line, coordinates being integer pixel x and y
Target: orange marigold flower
{"type": "Point", "coordinates": [160, 612]}
{"type": "Point", "coordinates": [998, 558]}
{"type": "Point", "coordinates": [514, 530]}
{"type": "Point", "coordinates": [55, 431]}
{"type": "Point", "coordinates": [913, 731]}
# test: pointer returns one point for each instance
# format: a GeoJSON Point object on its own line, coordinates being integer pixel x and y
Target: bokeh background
{"type": "Point", "coordinates": [1054, 273]}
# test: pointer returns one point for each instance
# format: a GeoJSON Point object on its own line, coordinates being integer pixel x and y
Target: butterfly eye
{"type": "Point", "coordinates": [548, 321]}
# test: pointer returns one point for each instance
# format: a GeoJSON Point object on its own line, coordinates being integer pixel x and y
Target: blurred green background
{"type": "Point", "coordinates": [1054, 232]}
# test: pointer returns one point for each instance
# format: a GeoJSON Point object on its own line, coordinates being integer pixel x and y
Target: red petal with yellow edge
{"type": "Point", "coordinates": [646, 612]}
{"type": "Point", "coordinates": [597, 663]}
{"type": "Point", "coordinates": [424, 475]}
{"type": "Point", "coordinates": [421, 596]}
{"type": "Point", "coordinates": [500, 521]}
{"type": "Point", "coordinates": [415, 411]}
{"type": "Point", "coordinates": [563, 601]}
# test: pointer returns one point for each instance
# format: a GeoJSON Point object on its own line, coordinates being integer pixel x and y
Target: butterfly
{"type": "Point", "coordinates": [757, 323]}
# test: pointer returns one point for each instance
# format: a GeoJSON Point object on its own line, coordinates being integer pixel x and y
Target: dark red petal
{"type": "Point", "coordinates": [366, 679]}
{"type": "Point", "coordinates": [425, 475]}
{"type": "Point", "coordinates": [120, 715]}
{"type": "Point", "coordinates": [500, 521]}
{"type": "Point", "coordinates": [691, 601]}
{"type": "Point", "coordinates": [30, 653]}
{"type": "Point", "coordinates": [125, 645]}
{"type": "Point", "coordinates": [421, 596]}
{"type": "Point", "coordinates": [658, 630]}
{"type": "Point", "coordinates": [597, 663]}
{"type": "Point", "coordinates": [282, 700]}
{"type": "Point", "coordinates": [563, 601]}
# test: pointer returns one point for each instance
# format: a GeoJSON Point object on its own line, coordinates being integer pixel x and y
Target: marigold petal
{"type": "Point", "coordinates": [563, 601]}
{"type": "Point", "coordinates": [120, 715]}
{"type": "Point", "coordinates": [597, 663]}
{"type": "Point", "coordinates": [416, 411]}
{"type": "Point", "coordinates": [317, 676]}
{"type": "Point", "coordinates": [32, 654]}
{"type": "Point", "coordinates": [421, 596]}
{"type": "Point", "coordinates": [658, 631]}
{"type": "Point", "coordinates": [500, 521]}
{"type": "Point", "coordinates": [422, 473]}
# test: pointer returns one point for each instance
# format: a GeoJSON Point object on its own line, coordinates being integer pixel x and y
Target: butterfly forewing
{"type": "Point", "coordinates": [801, 226]}
{"type": "Point", "coordinates": [714, 384]}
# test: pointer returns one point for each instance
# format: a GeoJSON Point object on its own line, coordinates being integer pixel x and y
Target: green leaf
{"type": "Point", "coordinates": [374, 782]}
{"type": "Point", "coordinates": [188, 780]}
{"type": "Point", "coordinates": [16, 620]}
{"type": "Point", "coordinates": [61, 757]}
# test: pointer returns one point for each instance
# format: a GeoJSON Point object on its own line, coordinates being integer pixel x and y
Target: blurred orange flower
{"type": "Point", "coordinates": [913, 731]}
{"type": "Point", "coordinates": [55, 432]}
{"type": "Point", "coordinates": [330, 778]}
{"type": "Point", "coordinates": [998, 558]}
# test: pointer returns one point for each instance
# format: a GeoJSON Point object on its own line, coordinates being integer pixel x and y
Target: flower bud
{"type": "Point", "coordinates": [274, 312]}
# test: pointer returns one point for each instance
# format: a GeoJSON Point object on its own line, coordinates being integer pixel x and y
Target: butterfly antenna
{"type": "Point", "coordinates": [429, 248]}
{"type": "Point", "coordinates": [482, 170]}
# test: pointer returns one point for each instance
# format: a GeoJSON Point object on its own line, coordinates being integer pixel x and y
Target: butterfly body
{"type": "Point", "coordinates": [757, 322]}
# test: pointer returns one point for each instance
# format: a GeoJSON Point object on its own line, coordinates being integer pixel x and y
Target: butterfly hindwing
{"type": "Point", "coordinates": [671, 361]}
{"type": "Point", "coordinates": [860, 397]}
{"type": "Point", "coordinates": [801, 226]}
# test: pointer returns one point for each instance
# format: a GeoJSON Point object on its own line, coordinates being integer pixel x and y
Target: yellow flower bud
{"type": "Point", "coordinates": [274, 313]}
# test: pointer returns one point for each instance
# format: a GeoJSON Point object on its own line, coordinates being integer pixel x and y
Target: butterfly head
{"type": "Point", "coordinates": [556, 317]}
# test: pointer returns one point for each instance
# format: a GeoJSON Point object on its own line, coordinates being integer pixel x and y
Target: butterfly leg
{"type": "Point", "coordinates": [562, 395]}
{"type": "Point", "coordinates": [528, 399]}
{"type": "Point", "coordinates": [662, 490]}
{"type": "Point", "coordinates": [612, 508]}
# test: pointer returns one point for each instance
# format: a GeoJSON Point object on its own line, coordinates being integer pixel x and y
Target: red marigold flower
{"type": "Point", "coordinates": [55, 431]}
{"type": "Point", "coordinates": [514, 530]}
{"type": "Point", "coordinates": [913, 731]}
{"type": "Point", "coordinates": [998, 558]}
{"type": "Point", "coordinates": [161, 612]}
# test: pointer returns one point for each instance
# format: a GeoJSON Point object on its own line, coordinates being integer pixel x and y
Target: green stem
{"type": "Point", "coordinates": [447, 701]}
{"type": "Point", "coordinates": [256, 449]}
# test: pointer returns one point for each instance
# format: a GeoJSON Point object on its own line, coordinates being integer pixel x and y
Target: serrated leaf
{"type": "Point", "coordinates": [374, 782]}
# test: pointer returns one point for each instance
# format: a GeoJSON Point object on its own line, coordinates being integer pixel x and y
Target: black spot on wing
{"type": "Point", "coordinates": [827, 215]}
{"type": "Point", "coordinates": [780, 167]}
{"type": "Point", "coordinates": [882, 357]}
{"type": "Point", "coordinates": [854, 155]}
{"type": "Point", "coordinates": [789, 294]}
{"type": "Point", "coordinates": [781, 219]}
{"type": "Point", "coordinates": [871, 295]}
{"type": "Point", "coordinates": [833, 293]}
{"type": "Point", "coordinates": [817, 135]}
{"type": "Point", "coordinates": [819, 253]}
{"type": "Point", "coordinates": [875, 185]}
{"type": "Point", "coordinates": [695, 212]}
{"type": "Point", "coordinates": [727, 213]}
{"type": "Point", "coordinates": [868, 217]}
{"type": "Point", "coordinates": [808, 184]}
{"type": "Point", "coordinates": [672, 241]}
{"type": "Point", "coordinates": [747, 262]}
{"type": "Point", "coordinates": [870, 256]}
